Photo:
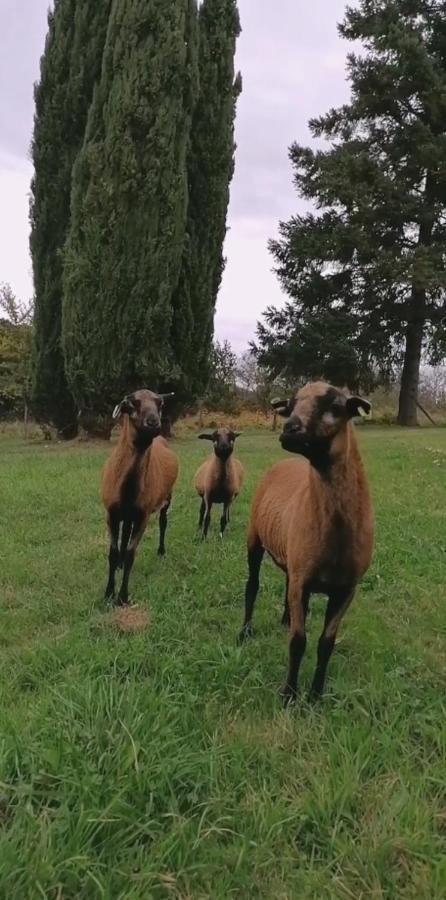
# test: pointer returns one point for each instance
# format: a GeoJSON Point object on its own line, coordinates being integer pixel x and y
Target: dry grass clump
{"type": "Point", "coordinates": [130, 619]}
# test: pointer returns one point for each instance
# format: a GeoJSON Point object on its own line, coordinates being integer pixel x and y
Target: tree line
{"type": "Point", "coordinates": [133, 153]}
{"type": "Point", "coordinates": [364, 269]}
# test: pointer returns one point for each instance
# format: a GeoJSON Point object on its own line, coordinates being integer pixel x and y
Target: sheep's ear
{"type": "Point", "coordinates": [205, 437]}
{"type": "Point", "coordinates": [357, 406]}
{"type": "Point", "coordinates": [164, 397]}
{"type": "Point", "coordinates": [125, 406]}
{"type": "Point", "coordinates": [283, 407]}
{"type": "Point", "coordinates": [237, 434]}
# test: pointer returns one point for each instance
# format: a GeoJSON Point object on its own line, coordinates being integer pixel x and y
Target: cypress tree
{"type": "Point", "coordinates": [69, 69]}
{"type": "Point", "coordinates": [129, 206]}
{"type": "Point", "coordinates": [373, 255]}
{"type": "Point", "coordinates": [210, 170]}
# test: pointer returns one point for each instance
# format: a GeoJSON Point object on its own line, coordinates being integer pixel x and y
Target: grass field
{"type": "Point", "coordinates": [161, 764]}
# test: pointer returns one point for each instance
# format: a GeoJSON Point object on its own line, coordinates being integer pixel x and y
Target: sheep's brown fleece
{"type": "Point", "coordinates": [217, 481]}
{"type": "Point", "coordinates": [314, 517]}
{"type": "Point", "coordinates": [155, 473]}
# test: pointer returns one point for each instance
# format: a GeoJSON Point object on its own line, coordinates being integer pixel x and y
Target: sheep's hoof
{"type": "Point", "coordinates": [161, 551]}
{"type": "Point", "coordinates": [109, 596]}
{"type": "Point", "coordinates": [246, 633]}
{"type": "Point", "coordinates": [122, 601]}
{"type": "Point", "coordinates": [288, 696]}
{"type": "Point", "coordinates": [314, 696]}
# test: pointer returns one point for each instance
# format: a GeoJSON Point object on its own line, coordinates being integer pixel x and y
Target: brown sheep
{"type": "Point", "coordinates": [219, 479]}
{"type": "Point", "coordinates": [313, 515]}
{"type": "Point", "coordinates": [137, 481]}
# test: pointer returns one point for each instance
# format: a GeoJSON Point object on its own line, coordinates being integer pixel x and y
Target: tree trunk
{"type": "Point", "coordinates": [25, 421]}
{"type": "Point", "coordinates": [407, 409]}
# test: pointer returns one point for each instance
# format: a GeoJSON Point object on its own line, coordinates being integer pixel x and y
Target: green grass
{"type": "Point", "coordinates": [161, 764]}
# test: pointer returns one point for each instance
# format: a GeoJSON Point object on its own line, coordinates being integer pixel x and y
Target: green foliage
{"type": "Point", "coordinates": [221, 394]}
{"type": "Point", "coordinates": [210, 170]}
{"type": "Point", "coordinates": [129, 204]}
{"type": "Point", "coordinates": [367, 268]}
{"type": "Point", "coordinates": [133, 161]}
{"type": "Point", "coordinates": [256, 384]}
{"type": "Point", "coordinates": [296, 344]}
{"type": "Point", "coordinates": [70, 66]}
{"type": "Point", "coordinates": [161, 765]}
{"type": "Point", "coordinates": [15, 354]}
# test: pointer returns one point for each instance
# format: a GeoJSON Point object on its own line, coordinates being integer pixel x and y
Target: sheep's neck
{"type": "Point", "coordinates": [136, 444]}
{"type": "Point", "coordinates": [221, 468]}
{"type": "Point", "coordinates": [344, 477]}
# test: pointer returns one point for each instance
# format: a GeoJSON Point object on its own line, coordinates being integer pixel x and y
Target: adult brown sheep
{"type": "Point", "coordinates": [137, 481]}
{"type": "Point", "coordinates": [219, 479]}
{"type": "Point", "coordinates": [313, 515]}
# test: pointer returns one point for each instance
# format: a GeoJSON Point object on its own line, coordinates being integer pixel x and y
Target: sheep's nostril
{"type": "Point", "coordinates": [152, 422]}
{"type": "Point", "coordinates": [292, 426]}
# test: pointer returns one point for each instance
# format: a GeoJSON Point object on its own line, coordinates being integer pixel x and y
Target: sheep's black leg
{"type": "Point", "coordinates": [286, 609]}
{"type": "Point", "coordinates": [207, 520]}
{"type": "Point", "coordinates": [202, 511]}
{"type": "Point", "coordinates": [163, 526]}
{"type": "Point", "coordinates": [255, 556]}
{"type": "Point", "coordinates": [338, 603]}
{"type": "Point", "coordinates": [125, 537]}
{"type": "Point", "coordinates": [224, 519]}
{"type": "Point", "coordinates": [139, 527]}
{"type": "Point", "coordinates": [113, 522]}
{"type": "Point", "coordinates": [298, 638]}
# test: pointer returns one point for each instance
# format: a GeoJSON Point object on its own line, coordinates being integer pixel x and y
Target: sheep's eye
{"type": "Point", "coordinates": [337, 409]}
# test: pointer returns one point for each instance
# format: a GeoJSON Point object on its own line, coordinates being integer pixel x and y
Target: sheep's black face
{"type": "Point", "coordinates": [144, 411]}
{"type": "Point", "coordinates": [315, 416]}
{"type": "Point", "coordinates": [223, 440]}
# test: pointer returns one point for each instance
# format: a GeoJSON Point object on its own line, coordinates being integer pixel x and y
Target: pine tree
{"type": "Point", "coordinates": [210, 170]}
{"type": "Point", "coordinates": [70, 66]}
{"type": "Point", "coordinates": [129, 206]}
{"type": "Point", "coordinates": [374, 252]}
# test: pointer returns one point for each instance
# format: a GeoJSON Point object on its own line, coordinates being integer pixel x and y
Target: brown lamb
{"type": "Point", "coordinates": [137, 481]}
{"type": "Point", "coordinates": [314, 516]}
{"type": "Point", "coordinates": [219, 479]}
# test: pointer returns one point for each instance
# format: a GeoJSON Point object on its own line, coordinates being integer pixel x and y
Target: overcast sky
{"type": "Point", "coordinates": [293, 67]}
